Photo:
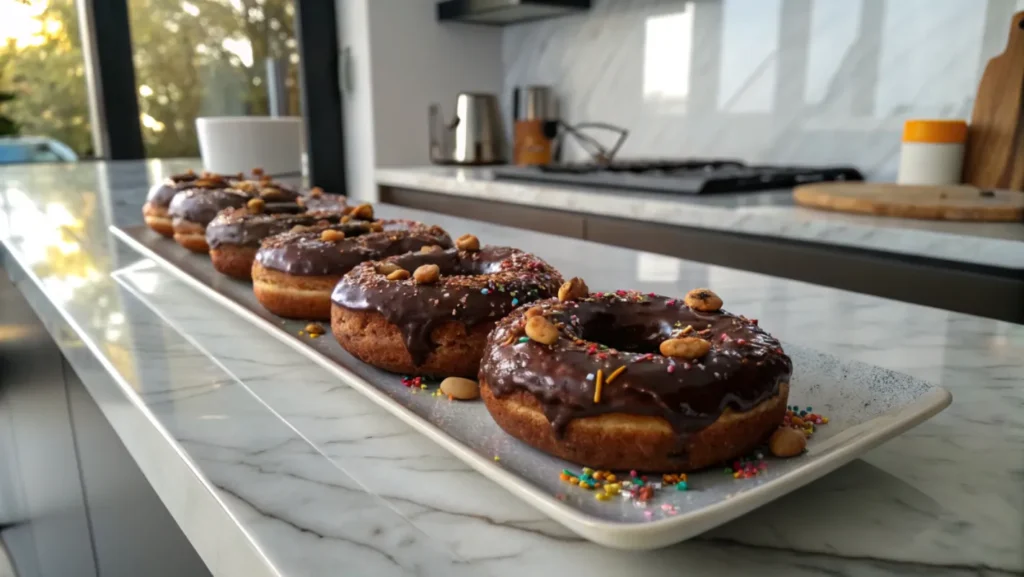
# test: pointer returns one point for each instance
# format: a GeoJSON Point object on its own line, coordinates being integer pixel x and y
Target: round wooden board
{"type": "Point", "coordinates": [958, 202]}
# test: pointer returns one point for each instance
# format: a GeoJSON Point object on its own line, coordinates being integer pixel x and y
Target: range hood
{"type": "Point", "coordinates": [502, 12]}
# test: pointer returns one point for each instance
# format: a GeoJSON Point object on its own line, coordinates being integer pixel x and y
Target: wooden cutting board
{"type": "Point", "coordinates": [927, 202]}
{"type": "Point", "coordinates": [995, 141]}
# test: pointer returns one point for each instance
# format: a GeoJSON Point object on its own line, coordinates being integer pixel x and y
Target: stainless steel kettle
{"type": "Point", "coordinates": [474, 136]}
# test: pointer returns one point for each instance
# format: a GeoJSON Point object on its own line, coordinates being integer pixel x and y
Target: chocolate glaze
{"type": "Point", "coordinates": [303, 253]}
{"type": "Point", "coordinates": [202, 205]}
{"type": "Point", "coordinates": [740, 371]}
{"type": "Point", "coordinates": [242, 227]}
{"type": "Point", "coordinates": [162, 193]}
{"type": "Point", "coordinates": [474, 287]}
{"type": "Point", "coordinates": [324, 201]}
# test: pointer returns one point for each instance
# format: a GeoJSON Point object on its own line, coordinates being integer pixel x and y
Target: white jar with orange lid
{"type": "Point", "coordinates": [932, 152]}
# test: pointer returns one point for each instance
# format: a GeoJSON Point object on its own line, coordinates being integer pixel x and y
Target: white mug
{"type": "Point", "coordinates": [231, 144]}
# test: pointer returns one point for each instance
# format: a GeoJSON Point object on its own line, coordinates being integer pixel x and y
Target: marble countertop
{"type": "Point", "coordinates": [272, 467]}
{"type": "Point", "coordinates": [770, 213]}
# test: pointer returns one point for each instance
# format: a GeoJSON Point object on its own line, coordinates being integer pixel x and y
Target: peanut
{"type": "Point", "coordinates": [316, 191]}
{"type": "Point", "coordinates": [271, 193]}
{"type": "Point", "coordinates": [467, 242]}
{"type": "Point", "coordinates": [534, 312]}
{"type": "Point", "coordinates": [426, 249]}
{"type": "Point", "coordinates": [363, 211]}
{"type": "Point", "coordinates": [685, 348]}
{"type": "Point", "coordinates": [331, 235]}
{"type": "Point", "coordinates": [541, 330]}
{"type": "Point", "coordinates": [376, 226]}
{"type": "Point", "coordinates": [573, 289]}
{"type": "Point", "coordinates": [702, 299]}
{"type": "Point", "coordinates": [299, 228]}
{"type": "Point", "coordinates": [345, 219]}
{"type": "Point", "coordinates": [400, 274]}
{"type": "Point", "coordinates": [387, 267]}
{"type": "Point", "coordinates": [460, 388]}
{"type": "Point", "coordinates": [427, 274]}
{"type": "Point", "coordinates": [256, 205]}
{"type": "Point", "coordinates": [314, 329]}
{"type": "Point", "coordinates": [787, 442]}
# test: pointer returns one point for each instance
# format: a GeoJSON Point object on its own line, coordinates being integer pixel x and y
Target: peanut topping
{"type": "Point", "coordinates": [400, 274]}
{"type": "Point", "coordinates": [316, 192]}
{"type": "Point", "coordinates": [573, 289]}
{"type": "Point", "coordinates": [540, 329]}
{"type": "Point", "coordinates": [430, 248]}
{"type": "Point", "coordinates": [702, 299]}
{"type": "Point", "coordinates": [787, 442]}
{"type": "Point", "coordinates": [460, 388]}
{"type": "Point", "coordinates": [467, 242]}
{"type": "Point", "coordinates": [685, 348]}
{"type": "Point", "coordinates": [331, 235]}
{"type": "Point", "coordinates": [271, 193]}
{"type": "Point", "coordinates": [387, 267]}
{"type": "Point", "coordinates": [427, 274]}
{"type": "Point", "coordinates": [534, 312]}
{"type": "Point", "coordinates": [376, 226]}
{"type": "Point", "coordinates": [363, 211]}
{"type": "Point", "coordinates": [256, 205]}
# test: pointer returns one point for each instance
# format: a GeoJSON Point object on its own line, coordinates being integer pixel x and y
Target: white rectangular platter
{"type": "Point", "coordinates": [865, 405]}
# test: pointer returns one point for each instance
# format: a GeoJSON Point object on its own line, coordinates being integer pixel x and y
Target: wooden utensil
{"type": "Point", "coordinates": [995, 143]}
{"type": "Point", "coordinates": [926, 202]}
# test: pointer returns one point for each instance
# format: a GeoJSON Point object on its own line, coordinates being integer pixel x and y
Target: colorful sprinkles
{"type": "Point", "coordinates": [634, 487]}
{"type": "Point", "coordinates": [641, 490]}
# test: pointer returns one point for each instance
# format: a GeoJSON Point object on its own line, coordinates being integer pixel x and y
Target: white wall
{"type": "Point", "coordinates": [404, 60]}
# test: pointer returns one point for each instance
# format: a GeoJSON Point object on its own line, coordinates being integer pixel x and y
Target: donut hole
{"type": "Point", "coordinates": [452, 263]}
{"type": "Point", "coordinates": [628, 327]}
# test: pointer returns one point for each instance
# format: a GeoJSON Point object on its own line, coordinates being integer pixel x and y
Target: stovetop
{"type": "Point", "coordinates": [687, 176]}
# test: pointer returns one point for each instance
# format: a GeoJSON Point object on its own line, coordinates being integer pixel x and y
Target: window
{"type": "Point", "coordinates": [44, 108]}
{"type": "Point", "coordinates": [207, 58]}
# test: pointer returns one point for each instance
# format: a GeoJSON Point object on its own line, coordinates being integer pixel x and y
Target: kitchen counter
{"type": "Point", "coordinates": [769, 214]}
{"type": "Point", "coordinates": [272, 467]}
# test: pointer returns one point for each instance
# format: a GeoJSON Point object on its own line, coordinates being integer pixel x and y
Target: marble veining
{"type": "Point", "coordinates": [769, 213]}
{"type": "Point", "coordinates": [765, 81]}
{"type": "Point", "coordinates": [272, 467]}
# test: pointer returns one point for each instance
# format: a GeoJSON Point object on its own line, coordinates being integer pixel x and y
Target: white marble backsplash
{"type": "Point", "coordinates": [764, 81]}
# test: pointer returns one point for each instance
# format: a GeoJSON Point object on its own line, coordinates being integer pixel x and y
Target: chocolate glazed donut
{"type": "Point", "coordinates": [719, 401]}
{"type": "Point", "coordinates": [193, 209]}
{"type": "Point", "coordinates": [294, 272]}
{"type": "Point", "coordinates": [434, 324]}
{"type": "Point", "coordinates": [159, 198]}
{"type": "Point", "coordinates": [234, 236]}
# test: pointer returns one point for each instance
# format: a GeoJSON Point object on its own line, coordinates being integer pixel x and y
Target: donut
{"type": "Point", "coordinates": [191, 210]}
{"type": "Point", "coordinates": [628, 380]}
{"type": "Point", "coordinates": [294, 272]}
{"type": "Point", "coordinates": [154, 211]}
{"type": "Point", "coordinates": [434, 323]}
{"type": "Point", "coordinates": [317, 199]}
{"type": "Point", "coordinates": [234, 235]}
